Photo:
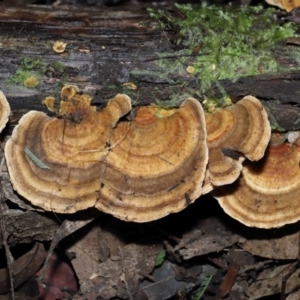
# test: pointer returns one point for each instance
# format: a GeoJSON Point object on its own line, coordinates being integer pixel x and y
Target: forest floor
{"type": "Point", "coordinates": [199, 253]}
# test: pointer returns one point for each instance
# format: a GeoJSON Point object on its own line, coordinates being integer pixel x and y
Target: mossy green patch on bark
{"type": "Point", "coordinates": [30, 72]}
{"type": "Point", "coordinates": [220, 43]}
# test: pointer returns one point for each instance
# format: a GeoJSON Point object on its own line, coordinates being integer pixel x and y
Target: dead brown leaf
{"type": "Point", "coordinates": [211, 235]}
{"type": "Point", "coordinates": [283, 247]}
{"type": "Point", "coordinates": [268, 282]}
{"type": "Point", "coordinates": [119, 278]}
{"type": "Point", "coordinates": [87, 254]}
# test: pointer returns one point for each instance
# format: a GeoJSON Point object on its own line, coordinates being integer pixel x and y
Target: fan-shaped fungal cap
{"type": "Point", "coordinates": [56, 163]}
{"type": "Point", "coordinates": [157, 163]}
{"type": "Point", "coordinates": [4, 111]}
{"type": "Point", "coordinates": [239, 131]}
{"type": "Point", "coordinates": [68, 91]}
{"type": "Point", "coordinates": [50, 103]}
{"type": "Point", "coordinates": [288, 5]}
{"type": "Point", "coordinates": [268, 192]}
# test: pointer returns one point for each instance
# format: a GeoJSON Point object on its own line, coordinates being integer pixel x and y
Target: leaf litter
{"type": "Point", "coordinates": [117, 259]}
{"type": "Point", "coordinates": [112, 258]}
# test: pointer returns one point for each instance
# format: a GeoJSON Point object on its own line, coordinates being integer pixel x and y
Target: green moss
{"type": "Point", "coordinates": [210, 104]}
{"type": "Point", "coordinates": [26, 69]}
{"type": "Point", "coordinates": [174, 101]}
{"type": "Point", "coordinates": [33, 68]}
{"type": "Point", "coordinates": [202, 288]}
{"type": "Point", "coordinates": [221, 42]}
{"type": "Point", "coordinates": [57, 65]}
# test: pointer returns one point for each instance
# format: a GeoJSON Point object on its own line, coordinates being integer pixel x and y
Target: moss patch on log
{"type": "Point", "coordinates": [219, 43]}
{"type": "Point", "coordinates": [30, 71]}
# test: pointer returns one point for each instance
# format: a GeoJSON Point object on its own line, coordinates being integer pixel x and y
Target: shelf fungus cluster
{"type": "Point", "coordinates": [266, 195]}
{"type": "Point", "coordinates": [237, 132]}
{"type": "Point", "coordinates": [138, 170]}
{"type": "Point", "coordinates": [287, 5]}
{"type": "Point", "coordinates": [154, 162]}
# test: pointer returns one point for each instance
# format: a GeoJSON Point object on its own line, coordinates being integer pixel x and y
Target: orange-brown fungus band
{"type": "Point", "coordinates": [267, 194]}
{"type": "Point", "coordinates": [237, 132]}
{"type": "Point", "coordinates": [157, 163]}
{"type": "Point", "coordinates": [138, 170]}
{"type": "Point", "coordinates": [72, 148]}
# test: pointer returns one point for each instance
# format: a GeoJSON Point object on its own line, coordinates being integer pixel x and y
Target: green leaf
{"type": "Point", "coordinates": [203, 287]}
{"type": "Point", "coordinates": [36, 160]}
{"type": "Point", "coordinates": [160, 258]}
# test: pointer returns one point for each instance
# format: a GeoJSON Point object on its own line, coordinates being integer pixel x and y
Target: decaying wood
{"type": "Point", "coordinates": [105, 47]}
{"type": "Point", "coordinates": [30, 226]}
{"type": "Point", "coordinates": [8, 254]}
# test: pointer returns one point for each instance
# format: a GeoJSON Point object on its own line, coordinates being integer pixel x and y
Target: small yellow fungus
{"type": "Point", "coordinates": [130, 85]}
{"type": "Point", "coordinates": [228, 101]}
{"type": "Point", "coordinates": [59, 47]}
{"type": "Point", "coordinates": [68, 91]}
{"type": "Point", "coordinates": [50, 103]}
{"type": "Point", "coordinates": [31, 82]}
{"type": "Point", "coordinates": [190, 69]}
{"type": "Point", "coordinates": [211, 107]}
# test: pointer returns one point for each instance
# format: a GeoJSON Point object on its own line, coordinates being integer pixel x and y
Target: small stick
{"type": "Point", "coordinates": [8, 254]}
{"type": "Point", "coordinates": [290, 273]}
{"type": "Point", "coordinates": [123, 276]}
{"type": "Point", "coordinates": [170, 250]}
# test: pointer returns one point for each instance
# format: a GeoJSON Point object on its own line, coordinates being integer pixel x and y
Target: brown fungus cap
{"type": "Point", "coordinates": [238, 131]}
{"type": "Point", "coordinates": [287, 5]}
{"type": "Point", "coordinates": [156, 164]}
{"type": "Point", "coordinates": [4, 111]}
{"type": "Point", "coordinates": [68, 92]}
{"type": "Point", "coordinates": [56, 163]}
{"type": "Point", "coordinates": [267, 193]}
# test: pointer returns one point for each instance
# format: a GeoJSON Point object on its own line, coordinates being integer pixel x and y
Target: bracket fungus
{"type": "Point", "coordinates": [138, 170]}
{"type": "Point", "coordinates": [4, 111]}
{"type": "Point", "coordinates": [157, 163]}
{"type": "Point", "coordinates": [56, 163]}
{"type": "Point", "coordinates": [267, 193]}
{"type": "Point", "coordinates": [287, 5]}
{"type": "Point", "coordinates": [238, 131]}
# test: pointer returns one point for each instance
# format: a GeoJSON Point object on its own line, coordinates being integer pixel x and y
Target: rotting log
{"type": "Point", "coordinates": [105, 47]}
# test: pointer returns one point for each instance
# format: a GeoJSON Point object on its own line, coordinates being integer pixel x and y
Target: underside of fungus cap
{"type": "Point", "coordinates": [237, 132]}
{"type": "Point", "coordinates": [4, 111]}
{"type": "Point", "coordinates": [156, 164]}
{"type": "Point", "coordinates": [267, 193]}
{"type": "Point", "coordinates": [56, 163]}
